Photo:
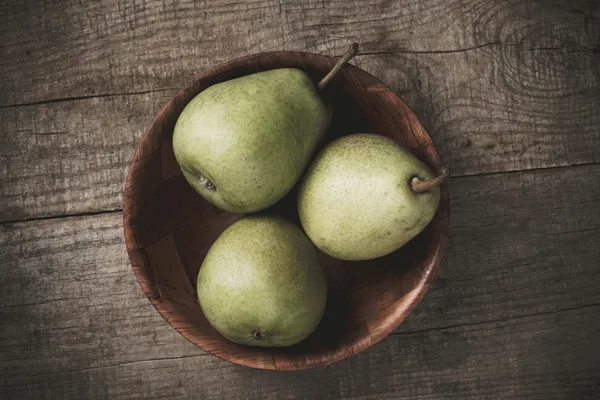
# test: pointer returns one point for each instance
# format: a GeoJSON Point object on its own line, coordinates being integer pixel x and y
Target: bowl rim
{"type": "Point", "coordinates": [392, 320]}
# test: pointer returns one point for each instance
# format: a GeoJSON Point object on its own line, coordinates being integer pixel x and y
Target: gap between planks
{"type": "Point", "coordinates": [493, 321]}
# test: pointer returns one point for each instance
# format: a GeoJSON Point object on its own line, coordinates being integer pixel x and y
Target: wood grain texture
{"type": "Point", "coordinates": [169, 228]}
{"type": "Point", "coordinates": [499, 85]}
{"type": "Point", "coordinates": [68, 48]}
{"type": "Point", "coordinates": [70, 157]}
{"type": "Point", "coordinates": [550, 361]}
{"type": "Point", "coordinates": [515, 311]}
{"type": "Point", "coordinates": [492, 109]}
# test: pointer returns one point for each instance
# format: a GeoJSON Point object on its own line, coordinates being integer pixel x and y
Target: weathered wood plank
{"type": "Point", "coordinates": [515, 312]}
{"type": "Point", "coordinates": [70, 157]}
{"type": "Point", "coordinates": [70, 48]}
{"type": "Point", "coordinates": [536, 357]}
{"type": "Point", "coordinates": [491, 109]}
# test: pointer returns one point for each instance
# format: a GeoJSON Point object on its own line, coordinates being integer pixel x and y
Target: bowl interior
{"type": "Point", "coordinates": [169, 228]}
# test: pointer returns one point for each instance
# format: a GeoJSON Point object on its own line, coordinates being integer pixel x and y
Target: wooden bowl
{"type": "Point", "coordinates": [169, 227]}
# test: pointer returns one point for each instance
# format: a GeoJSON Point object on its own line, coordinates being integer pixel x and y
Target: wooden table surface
{"type": "Point", "coordinates": [508, 89]}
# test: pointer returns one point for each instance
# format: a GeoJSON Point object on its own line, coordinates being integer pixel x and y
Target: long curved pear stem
{"type": "Point", "coordinates": [348, 55]}
{"type": "Point", "coordinates": [419, 185]}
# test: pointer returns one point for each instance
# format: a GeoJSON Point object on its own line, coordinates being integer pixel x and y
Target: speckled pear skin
{"type": "Point", "coordinates": [356, 203]}
{"type": "Point", "coordinates": [251, 137]}
{"type": "Point", "coordinates": [261, 283]}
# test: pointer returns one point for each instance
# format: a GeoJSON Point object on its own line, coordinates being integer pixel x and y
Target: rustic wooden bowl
{"type": "Point", "coordinates": [169, 227]}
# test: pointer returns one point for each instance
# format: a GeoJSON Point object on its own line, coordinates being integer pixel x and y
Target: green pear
{"type": "Point", "coordinates": [365, 196]}
{"type": "Point", "coordinates": [243, 143]}
{"type": "Point", "coordinates": [261, 283]}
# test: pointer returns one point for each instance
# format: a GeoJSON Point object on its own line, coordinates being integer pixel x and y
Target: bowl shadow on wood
{"type": "Point", "coordinates": [169, 228]}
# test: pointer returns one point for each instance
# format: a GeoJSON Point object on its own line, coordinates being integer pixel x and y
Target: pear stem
{"type": "Point", "coordinates": [419, 185]}
{"type": "Point", "coordinates": [348, 55]}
